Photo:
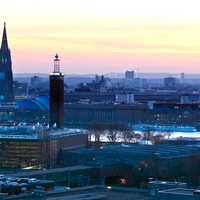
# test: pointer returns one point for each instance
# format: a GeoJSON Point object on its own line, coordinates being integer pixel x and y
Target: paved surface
{"type": "Point", "coordinates": [49, 171]}
{"type": "Point", "coordinates": [96, 194]}
{"type": "Point", "coordinates": [125, 195]}
{"type": "Point", "coordinates": [89, 193]}
{"type": "Point", "coordinates": [86, 196]}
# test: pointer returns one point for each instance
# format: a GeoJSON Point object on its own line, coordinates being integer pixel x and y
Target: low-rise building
{"type": "Point", "coordinates": [36, 147]}
{"type": "Point", "coordinates": [134, 164]}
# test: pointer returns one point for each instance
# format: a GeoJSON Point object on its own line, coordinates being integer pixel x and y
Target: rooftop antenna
{"type": "Point", "coordinates": [56, 64]}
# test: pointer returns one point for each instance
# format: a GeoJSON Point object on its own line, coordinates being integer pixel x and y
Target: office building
{"type": "Point", "coordinates": [170, 82]}
{"type": "Point", "coordinates": [36, 146]}
{"type": "Point", "coordinates": [125, 98]}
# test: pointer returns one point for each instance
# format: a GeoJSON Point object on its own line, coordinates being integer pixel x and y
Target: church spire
{"type": "Point", "coordinates": [4, 44]}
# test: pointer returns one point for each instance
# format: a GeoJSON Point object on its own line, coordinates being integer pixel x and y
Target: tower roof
{"type": "Point", "coordinates": [56, 64]}
{"type": "Point", "coordinates": [4, 44]}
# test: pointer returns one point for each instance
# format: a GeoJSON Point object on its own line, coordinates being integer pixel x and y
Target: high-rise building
{"type": "Point", "coordinates": [170, 82]}
{"type": "Point", "coordinates": [56, 96]}
{"type": "Point", "coordinates": [182, 77]}
{"type": "Point", "coordinates": [129, 74]}
{"type": "Point", "coordinates": [6, 76]}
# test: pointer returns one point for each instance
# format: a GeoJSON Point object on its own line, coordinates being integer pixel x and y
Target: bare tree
{"type": "Point", "coordinates": [96, 130]}
{"type": "Point", "coordinates": [119, 131]}
{"type": "Point", "coordinates": [167, 134]}
{"type": "Point", "coordinates": [127, 134]}
{"type": "Point", "coordinates": [148, 135]}
{"type": "Point", "coordinates": [157, 139]}
{"type": "Point", "coordinates": [113, 132]}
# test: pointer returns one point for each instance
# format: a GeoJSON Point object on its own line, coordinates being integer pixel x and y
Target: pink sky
{"type": "Point", "coordinates": [104, 37]}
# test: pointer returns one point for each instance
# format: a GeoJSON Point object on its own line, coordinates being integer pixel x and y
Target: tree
{"type": "Point", "coordinates": [96, 130]}
{"type": "Point", "coordinates": [127, 134]}
{"type": "Point", "coordinates": [167, 134]}
{"type": "Point", "coordinates": [113, 132]}
{"type": "Point", "coordinates": [156, 139]}
{"type": "Point", "coordinates": [148, 135]}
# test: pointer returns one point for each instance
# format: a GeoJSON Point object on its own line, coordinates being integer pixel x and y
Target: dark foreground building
{"type": "Point", "coordinates": [134, 164]}
{"type": "Point", "coordinates": [6, 76]}
{"type": "Point", "coordinates": [56, 95]}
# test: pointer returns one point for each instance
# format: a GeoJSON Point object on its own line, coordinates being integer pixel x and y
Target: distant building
{"type": "Point", "coordinates": [7, 113]}
{"type": "Point", "coordinates": [20, 89]}
{"type": "Point", "coordinates": [190, 99]}
{"type": "Point", "coordinates": [129, 74]}
{"type": "Point", "coordinates": [100, 85]}
{"type": "Point", "coordinates": [56, 95]}
{"type": "Point", "coordinates": [6, 76]}
{"type": "Point", "coordinates": [182, 76]}
{"type": "Point", "coordinates": [170, 82]}
{"type": "Point", "coordinates": [35, 80]}
{"type": "Point", "coordinates": [84, 115]}
{"type": "Point", "coordinates": [125, 98]}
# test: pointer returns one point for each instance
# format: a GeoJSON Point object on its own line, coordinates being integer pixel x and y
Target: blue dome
{"type": "Point", "coordinates": [43, 101]}
{"type": "Point", "coordinates": [40, 103]}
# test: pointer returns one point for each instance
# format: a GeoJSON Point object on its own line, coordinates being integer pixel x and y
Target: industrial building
{"type": "Point", "coordinates": [164, 190]}
{"type": "Point", "coordinates": [83, 115]}
{"type": "Point", "coordinates": [137, 163]}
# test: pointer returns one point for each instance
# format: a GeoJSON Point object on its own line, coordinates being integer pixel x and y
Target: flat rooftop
{"type": "Point", "coordinates": [49, 171]}
{"type": "Point", "coordinates": [167, 183]}
{"type": "Point", "coordinates": [34, 132]}
{"type": "Point", "coordinates": [158, 151]}
{"type": "Point", "coordinates": [127, 155]}
{"type": "Point", "coordinates": [179, 191]}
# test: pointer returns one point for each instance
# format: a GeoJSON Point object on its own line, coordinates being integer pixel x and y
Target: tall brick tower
{"type": "Point", "coordinates": [56, 95]}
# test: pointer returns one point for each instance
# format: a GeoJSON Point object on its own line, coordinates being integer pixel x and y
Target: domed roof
{"type": "Point", "coordinates": [40, 103]}
{"type": "Point", "coordinates": [43, 101]}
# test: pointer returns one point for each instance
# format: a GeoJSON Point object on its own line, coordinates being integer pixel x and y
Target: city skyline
{"type": "Point", "coordinates": [93, 37]}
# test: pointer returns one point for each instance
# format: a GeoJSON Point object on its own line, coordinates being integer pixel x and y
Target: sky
{"type": "Point", "coordinates": [101, 36]}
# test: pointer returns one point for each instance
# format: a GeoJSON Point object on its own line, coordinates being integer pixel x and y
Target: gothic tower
{"type": "Point", "coordinates": [6, 76]}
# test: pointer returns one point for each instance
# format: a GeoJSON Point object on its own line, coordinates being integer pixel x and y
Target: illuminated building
{"type": "Point", "coordinates": [37, 146]}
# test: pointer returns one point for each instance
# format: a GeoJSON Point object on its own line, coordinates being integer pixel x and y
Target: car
{"type": "Point", "coordinates": [22, 180]}
{"type": "Point", "coordinates": [12, 179]}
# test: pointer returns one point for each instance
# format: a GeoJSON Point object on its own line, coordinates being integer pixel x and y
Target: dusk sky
{"type": "Point", "coordinates": [100, 36]}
